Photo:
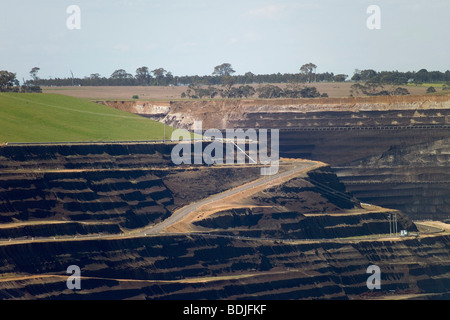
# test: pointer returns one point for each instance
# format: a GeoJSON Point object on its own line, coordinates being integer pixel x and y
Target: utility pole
{"type": "Point", "coordinates": [393, 224]}
{"type": "Point", "coordinates": [396, 231]}
{"type": "Point", "coordinates": [390, 226]}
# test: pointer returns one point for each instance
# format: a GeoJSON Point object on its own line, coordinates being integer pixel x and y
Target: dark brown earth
{"type": "Point", "coordinates": [306, 238]}
{"type": "Point", "coordinates": [211, 267]}
{"type": "Point", "coordinates": [309, 237]}
{"type": "Point", "coordinates": [389, 151]}
{"type": "Point", "coordinates": [100, 188]}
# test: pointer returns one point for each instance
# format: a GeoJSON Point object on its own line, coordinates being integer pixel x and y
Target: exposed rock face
{"type": "Point", "coordinates": [298, 113]}
{"type": "Point", "coordinates": [273, 264]}
{"type": "Point", "coordinates": [415, 179]}
{"type": "Point", "coordinates": [202, 267]}
{"type": "Point", "coordinates": [154, 110]}
{"type": "Point", "coordinates": [102, 189]}
{"type": "Point", "coordinates": [355, 136]}
{"type": "Point", "coordinates": [112, 187]}
{"type": "Point", "coordinates": [313, 207]}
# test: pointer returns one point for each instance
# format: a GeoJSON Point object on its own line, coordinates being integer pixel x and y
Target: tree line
{"type": "Point", "coordinates": [143, 76]}
{"type": "Point", "coordinates": [9, 83]}
{"type": "Point", "coordinates": [224, 83]}
{"type": "Point", "coordinates": [267, 91]}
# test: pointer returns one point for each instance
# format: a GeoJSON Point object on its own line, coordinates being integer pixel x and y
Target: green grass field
{"type": "Point", "coordinates": [437, 85]}
{"type": "Point", "coordinates": [45, 117]}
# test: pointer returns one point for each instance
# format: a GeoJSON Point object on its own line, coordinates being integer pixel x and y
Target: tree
{"type": "Point", "coordinates": [422, 76]}
{"type": "Point", "coordinates": [246, 91]}
{"type": "Point", "coordinates": [368, 74]}
{"type": "Point", "coordinates": [309, 70]}
{"type": "Point", "coordinates": [399, 91]}
{"type": "Point", "coordinates": [293, 90]}
{"type": "Point", "coordinates": [340, 77]}
{"type": "Point", "coordinates": [224, 69]}
{"type": "Point", "coordinates": [356, 89]}
{"type": "Point", "coordinates": [373, 89]}
{"type": "Point", "coordinates": [159, 75]}
{"type": "Point", "coordinates": [269, 92]}
{"type": "Point", "coordinates": [121, 74]}
{"type": "Point", "coordinates": [34, 73]}
{"type": "Point", "coordinates": [94, 79]}
{"type": "Point", "coordinates": [228, 82]}
{"type": "Point", "coordinates": [431, 90]}
{"type": "Point", "coordinates": [121, 78]}
{"type": "Point", "coordinates": [310, 92]}
{"type": "Point", "coordinates": [200, 92]}
{"type": "Point", "coordinates": [248, 77]}
{"type": "Point", "coordinates": [7, 81]}
{"type": "Point", "coordinates": [30, 89]}
{"type": "Point", "coordinates": [169, 78]}
{"type": "Point", "coordinates": [94, 76]}
{"type": "Point", "coordinates": [143, 76]}
{"type": "Point", "coordinates": [356, 75]}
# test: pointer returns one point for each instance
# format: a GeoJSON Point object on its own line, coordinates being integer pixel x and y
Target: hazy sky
{"type": "Point", "coordinates": [190, 37]}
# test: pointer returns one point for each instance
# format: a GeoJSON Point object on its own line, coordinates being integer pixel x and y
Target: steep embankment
{"type": "Point", "coordinates": [219, 265]}
{"type": "Point", "coordinates": [299, 113]}
{"type": "Point", "coordinates": [48, 191]}
{"type": "Point", "coordinates": [148, 109]}
{"type": "Point", "coordinates": [203, 267]}
{"type": "Point", "coordinates": [315, 206]}
{"type": "Point", "coordinates": [103, 188]}
{"type": "Point", "coordinates": [355, 136]}
{"type": "Point", "coordinates": [412, 178]}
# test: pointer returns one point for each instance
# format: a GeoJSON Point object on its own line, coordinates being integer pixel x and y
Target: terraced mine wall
{"type": "Point", "coordinates": [111, 188]}
{"type": "Point", "coordinates": [416, 181]}
{"type": "Point", "coordinates": [274, 224]}
{"type": "Point", "coordinates": [315, 206]}
{"type": "Point", "coordinates": [207, 267]}
{"type": "Point", "coordinates": [99, 188]}
{"type": "Point", "coordinates": [355, 136]}
{"type": "Point", "coordinates": [55, 193]}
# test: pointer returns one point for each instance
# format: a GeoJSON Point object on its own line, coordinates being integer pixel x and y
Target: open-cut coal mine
{"type": "Point", "coordinates": [357, 180]}
{"type": "Point", "coordinates": [391, 151]}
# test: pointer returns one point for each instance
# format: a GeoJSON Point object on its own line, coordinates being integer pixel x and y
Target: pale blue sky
{"type": "Point", "coordinates": [190, 37]}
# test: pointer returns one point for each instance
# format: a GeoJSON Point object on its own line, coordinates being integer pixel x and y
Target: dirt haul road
{"type": "Point", "coordinates": [218, 199]}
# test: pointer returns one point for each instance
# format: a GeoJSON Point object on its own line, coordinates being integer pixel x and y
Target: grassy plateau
{"type": "Point", "coordinates": [44, 117]}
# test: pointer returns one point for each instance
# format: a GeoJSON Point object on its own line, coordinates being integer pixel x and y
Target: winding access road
{"type": "Point", "coordinates": [298, 167]}
{"type": "Point", "coordinates": [178, 215]}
